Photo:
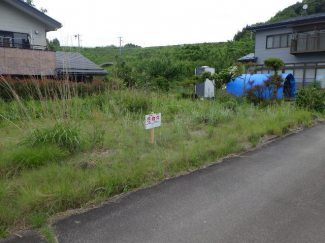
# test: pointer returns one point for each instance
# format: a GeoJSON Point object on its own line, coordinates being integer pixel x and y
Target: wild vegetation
{"type": "Point", "coordinates": [65, 145]}
{"type": "Point", "coordinates": [60, 152]}
{"type": "Point", "coordinates": [164, 67]}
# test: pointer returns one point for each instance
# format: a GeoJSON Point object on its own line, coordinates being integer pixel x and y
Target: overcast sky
{"type": "Point", "coordinates": [155, 22]}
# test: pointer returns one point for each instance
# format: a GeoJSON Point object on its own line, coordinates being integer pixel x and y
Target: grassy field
{"type": "Point", "coordinates": [57, 155]}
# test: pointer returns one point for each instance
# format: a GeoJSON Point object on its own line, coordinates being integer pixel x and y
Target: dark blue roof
{"type": "Point", "coordinates": [295, 20]}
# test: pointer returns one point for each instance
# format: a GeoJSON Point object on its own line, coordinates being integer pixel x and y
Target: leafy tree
{"type": "Point", "coordinates": [191, 82]}
{"type": "Point", "coordinates": [43, 10]}
{"type": "Point", "coordinates": [244, 34]}
{"type": "Point", "coordinates": [249, 69]}
{"type": "Point", "coordinates": [221, 78]}
{"type": "Point", "coordinates": [56, 42]}
{"type": "Point", "coordinates": [162, 83]}
{"type": "Point", "coordinates": [53, 44]}
{"type": "Point", "coordinates": [31, 3]}
{"type": "Point", "coordinates": [125, 72]}
{"type": "Point", "coordinates": [275, 63]}
{"type": "Point", "coordinates": [164, 67]}
{"type": "Point", "coordinates": [189, 52]}
{"type": "Point", "coordinates": [295, 10]}
{"type": "Point", "coordinates": [131, 45]}
{"type": "Point", "coordinates": [275, 81]}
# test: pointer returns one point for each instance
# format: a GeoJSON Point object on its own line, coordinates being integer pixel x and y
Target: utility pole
{"type": "Point", "coordinates": [120, 45]}
{"type": "Point", "coordinates": [78, 36]}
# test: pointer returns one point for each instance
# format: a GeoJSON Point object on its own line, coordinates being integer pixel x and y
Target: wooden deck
{"type": "Point", "coordinates": [27, 62]}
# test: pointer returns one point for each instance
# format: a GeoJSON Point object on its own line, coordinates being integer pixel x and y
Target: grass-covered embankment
{"type": "Point", "coordinates": [57, 155]}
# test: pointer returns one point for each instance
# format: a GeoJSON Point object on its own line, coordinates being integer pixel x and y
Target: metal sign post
{"type": "Point", "coordinates": [151, 122]}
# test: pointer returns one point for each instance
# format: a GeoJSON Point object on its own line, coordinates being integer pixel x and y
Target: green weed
{"type": "Point", "coordinates": [48, 234]}
{"type": "Point", "coordinates": [37, 219]}
{"type": "Point", "coordinates": [31, 158]}
{"type": "Point", "coordinates": [63, 134]}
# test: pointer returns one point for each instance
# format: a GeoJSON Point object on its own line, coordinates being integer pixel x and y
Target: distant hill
{"type": "Point", "coordinates": [183, 57]}
{"type": "Point", "coordinates": [295, 10]}
{"type": "Point", "coordinates": [314, 6]}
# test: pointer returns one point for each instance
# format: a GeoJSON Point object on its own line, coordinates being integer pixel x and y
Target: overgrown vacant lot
{"type": "Point", "coordinates": [61, 154]}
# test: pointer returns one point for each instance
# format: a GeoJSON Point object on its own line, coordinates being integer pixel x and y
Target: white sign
{"type": "Point", "coordinates": [153, 120]}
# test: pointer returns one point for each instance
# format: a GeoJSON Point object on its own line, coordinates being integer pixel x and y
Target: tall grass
{"type": "Point", "coordinates": [59, 154]}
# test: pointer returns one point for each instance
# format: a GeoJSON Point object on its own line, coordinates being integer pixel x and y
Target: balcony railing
{"type": "Point", "coordinates": [308, 44]}
{"type": "Point", "coordinates": [24, 46]}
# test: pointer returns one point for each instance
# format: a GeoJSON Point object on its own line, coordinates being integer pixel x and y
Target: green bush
{"type": "Point", "coordinates": [317, 85]}
{"type": "Point", "coordinates": [162, 83]}
{"type": "Point", "coordinates": [311, 98]}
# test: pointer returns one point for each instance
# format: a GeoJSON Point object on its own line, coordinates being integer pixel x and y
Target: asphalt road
{"type": "Point", "coordinates": [272, 194]}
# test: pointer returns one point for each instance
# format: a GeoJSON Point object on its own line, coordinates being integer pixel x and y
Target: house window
{"type": "Point", "coordinates": [13, 39]}
{"type": "Point", "coordinates": [6, 39]}
{"type": "Point", "coordinates": [321, 77]}
{"type": "Point", "coordinates": [269, 44]}
{"type": "Point", "coordinates": [278, 41]}
{"type": "Point", "coordinates": [309, 76]}
{"type": "Point", "coordinates": [299, 77]}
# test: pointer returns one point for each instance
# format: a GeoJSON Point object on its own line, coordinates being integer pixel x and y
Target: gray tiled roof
{"type": "Point", "coordinates": [295, 20]}
{"type": "Point", "coordinates": [75, 63]}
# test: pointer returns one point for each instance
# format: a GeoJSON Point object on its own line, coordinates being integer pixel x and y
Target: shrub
{"type": "Point", "coordinates": [317, 85]}
{"type": "Point", "coordinates": [310, 98]}
{"type": "Point", "coordinates": [162, 83]}
{"type": "Point", "coordinates": [255, 94]}
{"type": "Point", "coordinates": [266, 93]}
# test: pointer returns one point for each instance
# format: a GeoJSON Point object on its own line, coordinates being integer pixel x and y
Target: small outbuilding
{"type": "Point", "coordinates": [206, 88]}
{"type": "Point", "coordinates": [247, 81]}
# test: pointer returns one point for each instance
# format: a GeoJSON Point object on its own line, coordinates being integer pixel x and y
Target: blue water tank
{"type": "Point", "coordinates": [236, 87]}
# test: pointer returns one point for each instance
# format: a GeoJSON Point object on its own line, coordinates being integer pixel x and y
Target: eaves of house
{"type": "Point", "coordinates": [51, 23]}
{"type": "Point", "coordinates": [307, 19]}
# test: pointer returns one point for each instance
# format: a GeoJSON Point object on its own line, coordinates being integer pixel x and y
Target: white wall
{"type": "Point", "coordinates": [14, 20]}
